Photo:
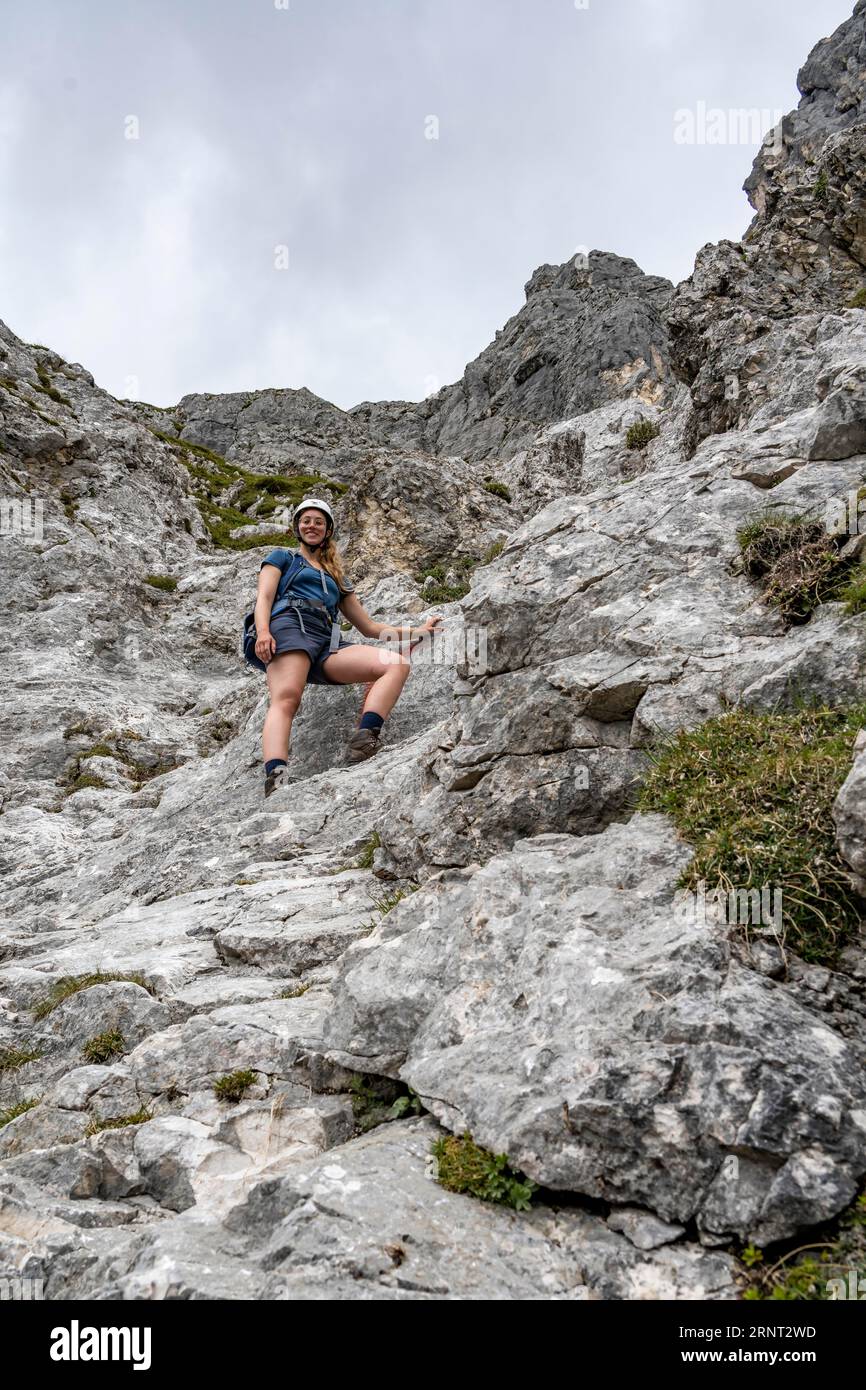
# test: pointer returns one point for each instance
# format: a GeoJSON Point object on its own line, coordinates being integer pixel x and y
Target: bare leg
{"type": "Point", "coordinates": [287, 676]}
{"type": "Point", "coordinates": [384, 679]}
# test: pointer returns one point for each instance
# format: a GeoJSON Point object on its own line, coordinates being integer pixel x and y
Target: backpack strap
{"type": "Point", "coordinates": [292, 566]}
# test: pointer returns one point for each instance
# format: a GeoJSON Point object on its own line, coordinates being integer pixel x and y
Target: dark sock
{"type": "Point", "coordinates": [274, 763]}
{"type": "Point", "coordinates": [372, 721]}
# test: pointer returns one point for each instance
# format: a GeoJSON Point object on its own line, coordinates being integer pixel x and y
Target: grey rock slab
{"type": "Point", "coordinates": [41, 1128]}
{"type": "Point", "coordinates": [182, 1166]}
{"type": "Point", "coordinates": [117, 1007]}
{"type": "Point", "coordinates": [107, 1092]}
{"type": "Point", "coordinates": [643, 1229]}
{"type": "Point", "coordinates": [560, 1005]}
{"type": "Point", "coordinates": [219, 988]}
{"type": "Point", "coordinates": [840, 420]}
{"type": "Point", "coordinates": [368, 1222]}
{"type": "Point", "coordinates": [267, 1037]}
{"type": "Point", "coordinates": [181, 1258]}
{"type": "Point", "coordinates": [292, 947]}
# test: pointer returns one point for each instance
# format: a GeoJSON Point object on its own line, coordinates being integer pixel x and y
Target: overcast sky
{"type": "Point", "coordinates": [220, 195]}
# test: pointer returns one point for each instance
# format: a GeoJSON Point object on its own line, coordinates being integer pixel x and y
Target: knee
{"type": "Point", "coordinates": [287, 701]}
{"type": "Point", "coordinates": [398, 670]}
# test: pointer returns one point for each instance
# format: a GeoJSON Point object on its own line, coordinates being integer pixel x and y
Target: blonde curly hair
{"type": "Point", "coordinates": [330, 559]}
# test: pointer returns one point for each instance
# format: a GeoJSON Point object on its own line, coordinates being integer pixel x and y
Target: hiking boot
{"type": "Point", "coordinates": [276, 779]}
{"type": "Point", "coordinates": [362, 744]}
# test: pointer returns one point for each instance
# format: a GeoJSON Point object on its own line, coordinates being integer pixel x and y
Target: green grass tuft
{"type": "Point", "coordinates": [161, 581]}
{"type": "Point", "coordinates": [234, 1085]}
{"type": "Point", "coordinates": [638, 435]}
{"type": "Point", "coordinates": [498, 490]}
{"type": "Point", "coordinates": [463, 1166]}
{"type": "Point", "coordinates": [19, 1108]}
{"type": "Point", "coordinates": [797, 563]}
{"type": "Point", "coordinates": [494, 548]}
{"type": "Point", "coordinates": [754, 793]}
{"type": "Point", "coordinates": [385, 904]}
{"type": "Point", "coordinates": [104, 1047]}
{"type": "Point", "coordinates": [48, 389]}
{"type": "Point", "coordinates": [99, 750]}
{"type": "Point", "coordinates": [853, 595]}
{"type": "Point", "coordinates": [86, 779]}
{"type": "Point", "coordinates": [139, 1117]}
{"type": "Point", "coordinates": [365, 858]}
{"type": "Point", "coordinates": [14, 1057]}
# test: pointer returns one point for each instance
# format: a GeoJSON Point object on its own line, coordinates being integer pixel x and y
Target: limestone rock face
{"type": "Point", "coordinates": [590, 332]}
{"type": "Point", "coordinates": [475, 922]}
{"type": "Point", "coordinates": [803, 255]}
{"type": "Point", "coordinates": [552, 1004]}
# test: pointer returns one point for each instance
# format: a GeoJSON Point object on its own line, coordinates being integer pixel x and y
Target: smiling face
{"type": "Point", "coordinates": [313, 525]}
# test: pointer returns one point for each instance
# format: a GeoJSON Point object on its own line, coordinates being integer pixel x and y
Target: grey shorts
{"type": "Point", "coordinates": [287, 633]}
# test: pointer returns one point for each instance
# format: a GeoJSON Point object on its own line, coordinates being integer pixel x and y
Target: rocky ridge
{"type": "Point", "coordinates": [478, 913]}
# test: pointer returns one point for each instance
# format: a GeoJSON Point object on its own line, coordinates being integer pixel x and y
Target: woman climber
{"type": "Point", "coordinates": [296, 640]}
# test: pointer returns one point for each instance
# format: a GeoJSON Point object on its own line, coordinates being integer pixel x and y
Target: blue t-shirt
{"type": "Point", "coordinates": [307, 583]}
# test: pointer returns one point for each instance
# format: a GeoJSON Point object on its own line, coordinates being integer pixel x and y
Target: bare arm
{"type": "Point", "coordinates": [269, 578]}
{"type": "Point", "coordinates": [358, 616]}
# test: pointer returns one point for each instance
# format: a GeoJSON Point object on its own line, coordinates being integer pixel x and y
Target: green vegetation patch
{"type": "Point", "coordinates": [378, 1099]}
{"type": "Point", "coordinates": [853, 595]}
{"type": "Point", "coordinates": [365, 858]}
{"type": "Point", "coordinates": [111, 745]}
{"type": "Point", "coordinates": [797, 563]}
{"type": "Point", "coordinates": [99, 750]}
{"type": "Point", "coordinates": [828, 1270]}
{"type": "Point", "coordinates": [255, 496]}
{"type": "Point", "coordinates": [85, 779]}
{"type": "Point", "coordinates": [753, 793]}
{"type": "Point", "coordinates": [13, 1057]}
{"type": "Point", "coordinates": [72, 984]}
{"type": "Point", "coordinates": [161, 581]}
{"type": "Point", "coordinates": [234, 1085]}
{"type": "Point", "coordinates": [138, 1117]}
{"type": "Point", "coordinates": [47, 389]}
{"type": "Point", "coordinates": [19, 1108]}
{"type": "Point", "coordinates": [638, 435]}
{"type": "Point", "coordinates": [104, 1047]}
{"type": "Point", "coordinates": [463, 1166]}
{"type": "Point", "coordinates": [857, 301]}
{"type": "Point", "coordinates": [498, 490]}
{"type": "Point", "coordinates": [386, 903]}
{"type": "Point", "coordinates": [441, 591]}
{"type": "Point", "coordinates": [494, 548]}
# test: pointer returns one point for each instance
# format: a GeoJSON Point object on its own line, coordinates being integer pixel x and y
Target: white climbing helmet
{"type": "Point", "coordinates": [304, 506]}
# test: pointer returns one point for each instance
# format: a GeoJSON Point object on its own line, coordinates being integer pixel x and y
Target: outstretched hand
{"type": "Point", "coordinates": [429, 625]}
